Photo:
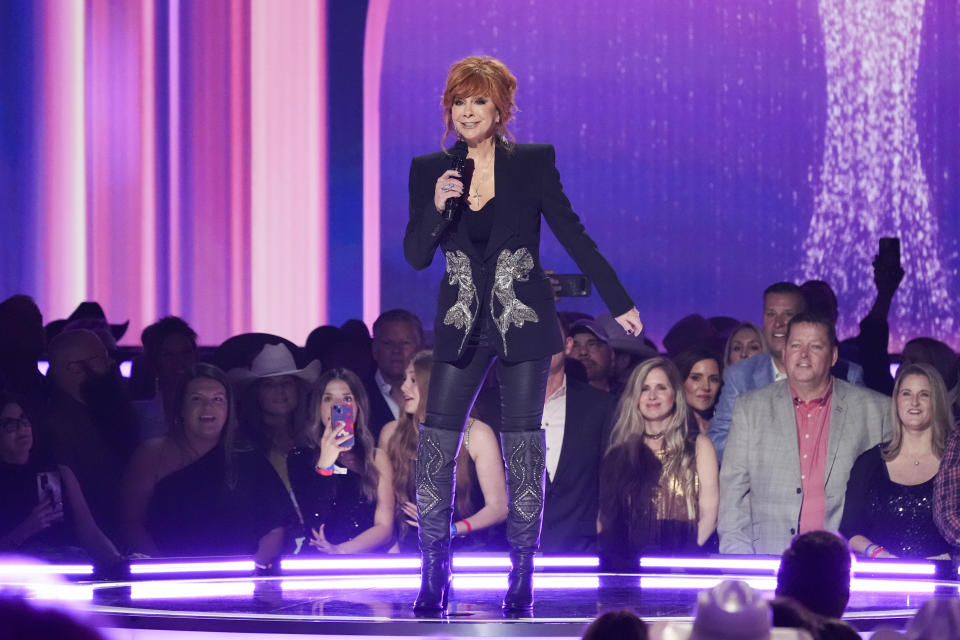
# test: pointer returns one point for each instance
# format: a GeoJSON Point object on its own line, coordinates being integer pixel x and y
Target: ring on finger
{"type": "Point", "coordinates": [446, 187]}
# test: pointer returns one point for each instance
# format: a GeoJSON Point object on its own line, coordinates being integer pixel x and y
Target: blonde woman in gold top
{"type": "Point", "coordinates": [659, 488]}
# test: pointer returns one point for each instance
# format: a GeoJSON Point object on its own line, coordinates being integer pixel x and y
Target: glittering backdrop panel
{"type": "Point", "coordinates": [697, 140]}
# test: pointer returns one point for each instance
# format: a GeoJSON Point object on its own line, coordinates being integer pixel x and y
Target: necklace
{"type": "Point", "coordinates": [476, 180]}
{"type": "Point", "coordinates": [653, 436]}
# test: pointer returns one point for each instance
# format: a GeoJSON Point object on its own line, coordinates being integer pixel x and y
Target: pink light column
{"type": "Point", "coordinates": [61, 248]}
{"type": "Point", "coordinates": [288, 213]}
{"type": "Point", "coordinates": [377, 12]}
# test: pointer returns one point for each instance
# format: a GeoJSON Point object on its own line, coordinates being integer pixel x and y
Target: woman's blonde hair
{"type": "Point", "coordinates": [678, 457]}
{"type": "Point", "coordinates": [941, 419]}
{"type": "Point", "coordinates": [481, 76]}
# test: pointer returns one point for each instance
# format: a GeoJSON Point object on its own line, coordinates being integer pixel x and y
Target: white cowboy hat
{"type": "Point", "coordinates": [274, 360]}
{"type": "Point", "coordinates": [729, 611]}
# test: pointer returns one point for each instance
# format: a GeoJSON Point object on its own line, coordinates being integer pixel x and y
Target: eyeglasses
{"type": "Point", "coordinates": [11, 425]}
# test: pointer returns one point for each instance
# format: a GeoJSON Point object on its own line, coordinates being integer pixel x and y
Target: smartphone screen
{"type": "Point", "coordinates": [342, 415]}
{"type": "Point", "coordinates": [49, 488]}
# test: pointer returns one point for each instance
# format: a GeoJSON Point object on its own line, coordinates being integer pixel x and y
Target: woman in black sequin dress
{"type": "Point", "coordinates": [888, 511]}
{"type": "Point", "coordinates": [342, 482]}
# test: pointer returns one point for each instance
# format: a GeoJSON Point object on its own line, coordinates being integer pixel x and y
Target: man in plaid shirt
{"type": "Point", "coordinates": [946, 492]}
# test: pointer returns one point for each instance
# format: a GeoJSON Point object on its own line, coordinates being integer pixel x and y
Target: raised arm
{"type": "Point", "coordinates": [569, 230]}
{"type": "Point", "coordinates": [425, 227]}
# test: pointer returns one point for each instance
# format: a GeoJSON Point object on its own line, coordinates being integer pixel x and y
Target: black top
{"type": "Point", "coordinates": [195, 512]}
{"type": "Point", "coordinates": [336, 501]}
{"type": "Point", "coordinates": [480, 224]}
{"type": "Point", "coordinates": [897, 517]}
{"type": "Point", "coordinates": [503, 288]}
{"type": "Point", "coordinates": [19, 494]}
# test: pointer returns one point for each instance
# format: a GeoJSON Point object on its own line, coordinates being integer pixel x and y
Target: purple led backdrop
{"type": "Point", "coordinates": [711, 148]}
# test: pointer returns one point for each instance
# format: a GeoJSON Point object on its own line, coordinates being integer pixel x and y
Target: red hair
{"type": "Point", "coordinates": [481, 76]}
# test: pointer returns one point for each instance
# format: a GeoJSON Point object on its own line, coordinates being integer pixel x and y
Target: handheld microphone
{"type": "Point", "coordinates": [459, 152]}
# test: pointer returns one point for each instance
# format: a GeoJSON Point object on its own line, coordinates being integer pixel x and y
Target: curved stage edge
{"type": "Point", "coordinates": [369, 597]}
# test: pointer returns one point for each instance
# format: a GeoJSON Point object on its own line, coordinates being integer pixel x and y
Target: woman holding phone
{"type": "Point", "coordinates": [341, 481]}
{"type": "Point", "coordinates": [495, 304]}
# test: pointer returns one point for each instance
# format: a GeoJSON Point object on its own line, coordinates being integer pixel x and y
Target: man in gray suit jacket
{"type": "Point", "coordinates": [792, 445]}
{"type": "Point", "coordinates": [781, 301]}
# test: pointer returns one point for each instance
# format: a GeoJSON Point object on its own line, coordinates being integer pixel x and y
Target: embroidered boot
{"type": "Point", "coordinates": [436, 469]}
{"type": "Point", "coordinates": [523, 454]}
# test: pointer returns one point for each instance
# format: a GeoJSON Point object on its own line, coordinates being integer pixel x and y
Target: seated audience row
{"type": "Point", "coordinates": [335, 498]}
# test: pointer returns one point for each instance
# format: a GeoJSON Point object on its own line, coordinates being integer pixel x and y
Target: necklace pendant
{"type": "Point", "coordinates": [916, 463]}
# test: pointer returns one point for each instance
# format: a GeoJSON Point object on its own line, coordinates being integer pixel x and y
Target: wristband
{"type": "Point", "coordinates": [877, 551]}
{"type": "Point", "coordinates": [469, 528]}
{"type": "Point", "coordinates": [324, 471]}
{"type": "Point", "coordinates": [453, 530]}
{"type": "Point", "coordinates": [866, 551]}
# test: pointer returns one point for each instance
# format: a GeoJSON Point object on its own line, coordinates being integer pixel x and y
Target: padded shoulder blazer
{"type": "Point", "coordinates": [505, 287]}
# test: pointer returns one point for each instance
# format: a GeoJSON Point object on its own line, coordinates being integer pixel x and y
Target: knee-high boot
{"type": "Point", "coordinates": [436, 470]}
{"type": "Point", "coordinates": [523, 454]}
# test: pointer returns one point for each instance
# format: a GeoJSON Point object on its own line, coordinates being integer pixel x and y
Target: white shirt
{"type": "Point", "coordinates": [554, 418]}
{"type": "Point", "coordinates": [385, 389]}
{"type": "Point", "coordinates": [777, 374]}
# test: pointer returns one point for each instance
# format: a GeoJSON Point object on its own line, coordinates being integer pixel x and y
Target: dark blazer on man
{"type": "Point", "coordinates": [504, 287]}
{"type": "Point", "coordinates": [572, 498]}
{"type": "Point", "coordinates": [380, 413]}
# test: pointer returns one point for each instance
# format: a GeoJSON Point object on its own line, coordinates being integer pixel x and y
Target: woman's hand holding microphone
{"type": "Point", "coordinates": [448, 186]}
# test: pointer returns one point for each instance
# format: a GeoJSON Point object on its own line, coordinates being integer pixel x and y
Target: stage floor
{"type": "Point", "coordinates": [337, 598]}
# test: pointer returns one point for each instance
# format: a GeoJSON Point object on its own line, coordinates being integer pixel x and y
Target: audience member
{"type": "Point", "coordinates": [480, 496]}
{"type": "Point", "coordinates": [700, 371]}
{"type": "Point", "coordinates": [729, 610]}
{"type": "Point", "coordinates": [576, 418]}
{"type": "Point", "coordinates": [690, 331]}
{"type": "Point", "coordinates": [658, 479]}
{"type": "Point", "coordinates": [820, 299]}
{"type": "Point", "coordinates": [781, 301]}
{"type": "Point", "coordinates": [793, 444]}
{"type": "Point", "coordinates": [591, 346]}
{"type": "Point", "coordinates": [169, 350]}
{"type": "Point", "coordinates": [397, 335]}
{"type": "Point", "coordinates": [274, 407]}
{"type": "Point", "coordinates": [43, 512]}
{"type": "Point", "coordinates": [888, 511]}
{"type": "Point", "coordinates": [25, 619]}
{"type": "Point", "coordinates": [942, 358]}
{"type": "Point", "coordinates": [815, 571]}
{"type": "Point", "coordinates": [90, 316]}
{"type": "Point", "coordinates": [192, 493]}
{"type": "Point", "coordinates": [22, 343]}
{"type": "Point", "coordinates": [616, 625]}
{"type": "Point", "coordinates": [88, 422]}
{"type": "Point", "coordinates": [628, 350]}
{"type": "Point", "coordinates": [342, 483]}
{"type": "Point", "coordinates": [745, 341]}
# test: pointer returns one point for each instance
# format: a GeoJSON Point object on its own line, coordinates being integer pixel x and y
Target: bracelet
{"type": "Point", "coordinates": [469, 528]}
{"type": "Point", "coordinates": [324, 471]}
{"type": "Point", "coordinates": [866, 551]}
{"type": "Point", "coordinates": [877, 551]}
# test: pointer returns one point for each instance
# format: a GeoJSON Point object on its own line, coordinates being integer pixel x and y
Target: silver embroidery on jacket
{"type": "Point", "coordinates": [511, 267]}
{"type": "Point", "coordinates": [461, 315]}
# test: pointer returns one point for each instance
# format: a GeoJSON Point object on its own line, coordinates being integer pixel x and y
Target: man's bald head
{"type": "Point", "coordinates": [74, 356]}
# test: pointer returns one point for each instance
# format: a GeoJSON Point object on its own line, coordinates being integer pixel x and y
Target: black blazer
{"type": "Point", "coordinates": [505, 288]}
{"type": "Point", "coordinates": [571, 501]}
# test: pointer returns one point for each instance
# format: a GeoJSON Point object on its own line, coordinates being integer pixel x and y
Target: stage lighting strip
{"type": "Point", "coordinates": [380, 563]}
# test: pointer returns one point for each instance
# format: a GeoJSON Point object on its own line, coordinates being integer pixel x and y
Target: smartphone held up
{"type": "Point", "coordinates": [342, 418]}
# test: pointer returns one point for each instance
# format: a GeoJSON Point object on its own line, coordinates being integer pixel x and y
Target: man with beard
{"type": "Point", "coordinates": [591, 346]}
{"type": "Point", "coordinates": [88, 422]}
